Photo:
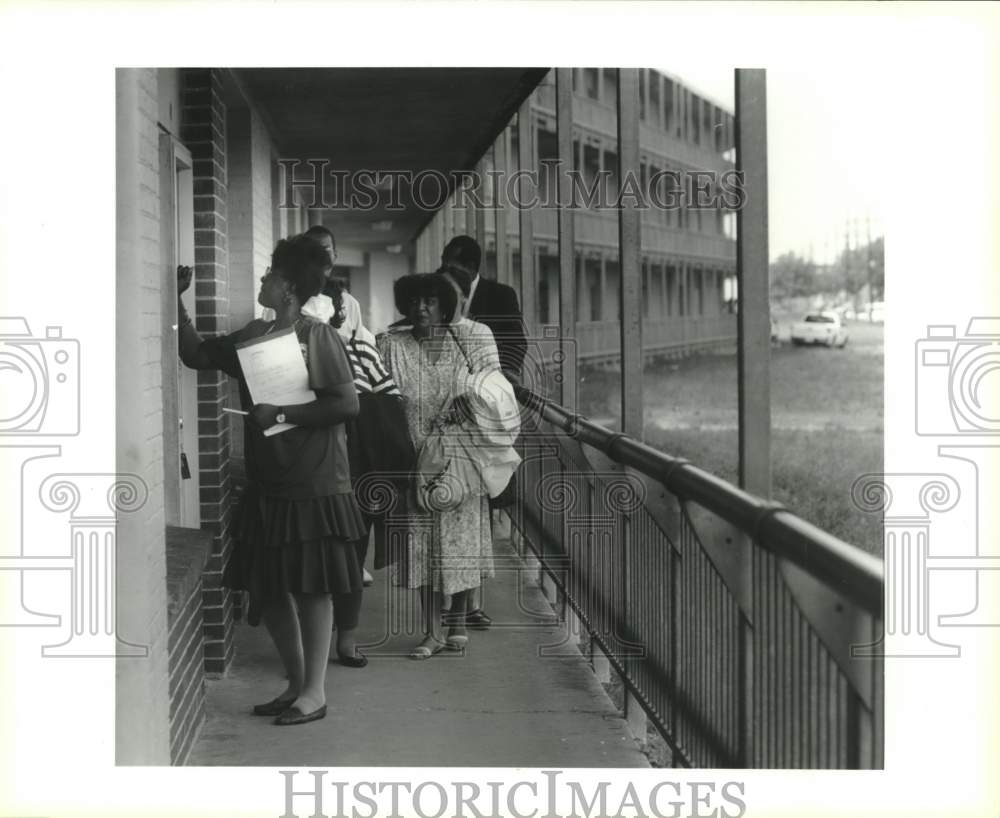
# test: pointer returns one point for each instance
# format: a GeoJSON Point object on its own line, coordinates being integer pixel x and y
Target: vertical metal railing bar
{"type": "Point", "coordinates": [771, 688]}
{"type": "Point", "coordinates": [674, 634]}
{"type": "Point", "coordinates": [749, 682]}
{"type": "Point", "coordinates": [838, 736]}
{"type": "Point", "coordinates": [811, 732]}
{"type": "Point", "coordinates": [828, 708]}
{"type": "Point", "coordinates": [798, 717]}
{"type": "Point", "coordinates": [692, 665]}
{"type": "Point", "coordinates": [702, 619]}
{"type": "Point", "coordinates": [682, 624]}
{"type": "Point", "coordinates": [616, 662]}
{"type": "Point", "coordinates": [784, 692]}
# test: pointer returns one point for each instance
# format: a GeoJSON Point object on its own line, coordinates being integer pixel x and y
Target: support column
{"type": "Point", "coordinates": [567, 273]}
{"type": "Point", "coordinates": [526, 161]}
{"type": "Point", "coordinates": [753, 355]}
{"type": "Point", "coordinates": [753, 319]}
{"type": "Point", "coordinates": [480, 234]}
{"type": "Point", "coordinates": [501, 152]}
{"type": "Point", "coordinates": [629, 241]}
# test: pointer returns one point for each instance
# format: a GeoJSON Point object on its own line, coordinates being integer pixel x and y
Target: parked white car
{"type": "Point", "coordinates": [819, 328]}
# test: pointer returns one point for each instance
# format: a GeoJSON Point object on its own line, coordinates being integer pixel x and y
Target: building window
{"type": "Point", "coordinates": [610, 80]}
{"type": "Point", "coordinates": [695, 119]}
{"type": "Point", "coordinates": [642, 93]}
{"type": "Point", "coordinates": [668, 104]}
{"type": "Point", "coordinates": [654, 98]}
{"type": "Point", "coordinates": [590, 80]}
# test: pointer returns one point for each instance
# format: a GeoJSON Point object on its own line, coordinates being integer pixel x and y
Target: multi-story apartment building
{"type": "Point", "coordinates": [689, 253]}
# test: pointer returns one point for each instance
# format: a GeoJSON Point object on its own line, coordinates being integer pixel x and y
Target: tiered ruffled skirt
{"type": "Point", "coordinates": [298, 546]}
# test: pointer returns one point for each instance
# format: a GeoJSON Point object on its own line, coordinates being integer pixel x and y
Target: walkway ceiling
{"type": "Point", "coordinates": [410, 119]}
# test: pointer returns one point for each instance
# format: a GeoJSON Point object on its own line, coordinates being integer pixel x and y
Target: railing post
{"type": "Point", "coordinates": [567, 271]}
{"type": "Point", "coordinates": [629, 228]}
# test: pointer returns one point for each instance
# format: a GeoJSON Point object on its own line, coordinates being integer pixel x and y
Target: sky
{"type": "Point", "coordinates": [826, 141]}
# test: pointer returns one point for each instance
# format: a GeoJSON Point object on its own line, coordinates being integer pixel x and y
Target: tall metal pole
{"type": "Point", "coordinates": [753, 287]}
{"type": "Point", "coordinates": [754, 376]}
{"type": "Point", "coordinates": [526, 161]}
{"type": "Point", "coordinates": [567, 244]}
{"type": "Point", "coordinates": [868, 262]}
{"type": "Point", "coordinates": [629, 240]}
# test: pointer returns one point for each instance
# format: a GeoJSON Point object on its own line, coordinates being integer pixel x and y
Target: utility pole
{"type": "Point", "coordinates": [868, 262]}
{"type": "Point", "coordinates": [847, 254]}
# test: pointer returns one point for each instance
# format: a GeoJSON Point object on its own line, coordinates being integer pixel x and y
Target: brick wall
{"type": "Point", "coordinates": [142, 723]}
{"type": "Point", "coordinates": [204, 133]}
{"type": "Point", "coordinates": [251, 237]}
{"type": "Point", "coordinates": [186, 552]}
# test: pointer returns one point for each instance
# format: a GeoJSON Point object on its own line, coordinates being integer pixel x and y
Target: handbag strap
{"type": "Point", "coordinates": [454, 335]}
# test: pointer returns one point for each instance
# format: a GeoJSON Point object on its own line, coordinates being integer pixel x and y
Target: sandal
{"type": "Point", "coordinates": [425, 651]}
{"type": "Point", "coordinates": [478, 619]}
{"type": "Point", "coordinates": [357, 660]}
{"type": "Point", "coordinates": [457, 642]}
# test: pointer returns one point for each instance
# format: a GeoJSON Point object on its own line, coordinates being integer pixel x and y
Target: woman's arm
{"type": "Point", "coordinates": [188, 340]}
{"type": "Point", "coordinates": [332, 406]}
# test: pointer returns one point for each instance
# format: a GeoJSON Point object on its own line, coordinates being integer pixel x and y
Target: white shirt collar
{"type": "Point", "coordinates": [472, 293]}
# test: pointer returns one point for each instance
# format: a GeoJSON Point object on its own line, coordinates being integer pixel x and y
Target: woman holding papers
{"type": "Point", "coordinates": [297, 520]}
{"type": "Point", "coordinates": [440, 368]}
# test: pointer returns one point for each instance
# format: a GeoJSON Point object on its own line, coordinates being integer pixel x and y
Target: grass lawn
{"type": "Point", "coordinates": [826, 419]}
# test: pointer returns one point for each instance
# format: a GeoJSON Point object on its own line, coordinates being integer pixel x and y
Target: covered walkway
{"type": "Point", "coordinates": [501, 704]}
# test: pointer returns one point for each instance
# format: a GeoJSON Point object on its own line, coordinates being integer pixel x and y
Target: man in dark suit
{"type": "Point", "coordinates": [490, 303]}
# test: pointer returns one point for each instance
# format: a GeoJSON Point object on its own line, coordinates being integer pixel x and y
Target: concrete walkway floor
{"type": "Point", "coordinates": [519, 696]}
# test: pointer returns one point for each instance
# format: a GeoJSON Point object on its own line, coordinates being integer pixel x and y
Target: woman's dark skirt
{"type": "Point", "coordinates": [294, 546]}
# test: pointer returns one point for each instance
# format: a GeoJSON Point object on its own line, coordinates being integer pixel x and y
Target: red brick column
{"type": "Point", "coordinates": [204, 133]}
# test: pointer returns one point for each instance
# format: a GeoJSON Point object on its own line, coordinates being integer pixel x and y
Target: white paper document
{"type": "Point", "coordinates": [275, 372]}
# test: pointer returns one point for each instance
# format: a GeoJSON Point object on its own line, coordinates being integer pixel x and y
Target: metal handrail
{"type": "Point", "coordinates": [851, 571]}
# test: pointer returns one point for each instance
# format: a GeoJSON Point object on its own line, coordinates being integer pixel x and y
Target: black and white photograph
{"type": "Point", "coordinates": [582, 429]}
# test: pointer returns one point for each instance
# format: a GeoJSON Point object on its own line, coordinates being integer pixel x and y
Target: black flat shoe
{"type": "Point", "coordinates": [275, 707]}
{"type": "Point", "coordinates": [358, 660]}
{"type": "Point", "coordinates": [295, 716]}
{"type": "Point", "coordinates": [478, 620]}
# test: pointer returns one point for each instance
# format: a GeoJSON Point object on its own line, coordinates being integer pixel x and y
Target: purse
{"type": "Point", "coordinates": [444, 478]}
{"type": "Point", "coordinates": [380, 451]}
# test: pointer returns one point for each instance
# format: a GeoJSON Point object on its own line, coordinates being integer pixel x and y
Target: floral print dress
{"type": "Point", "coordinates": [452, 550]}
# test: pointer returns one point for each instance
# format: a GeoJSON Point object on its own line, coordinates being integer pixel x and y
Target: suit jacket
{"type": "Point", "coordinates": [495, 305]}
